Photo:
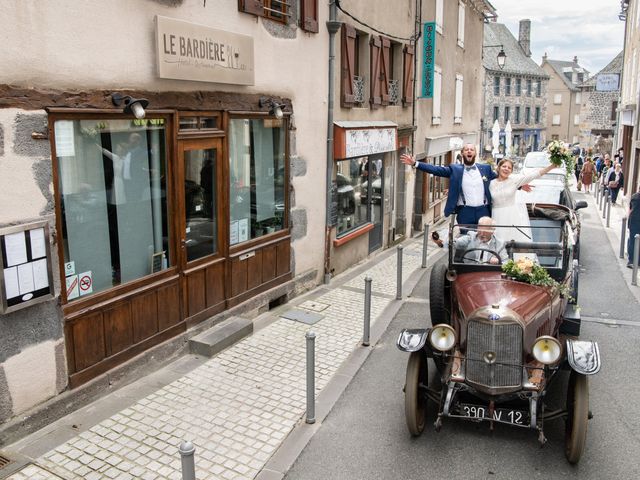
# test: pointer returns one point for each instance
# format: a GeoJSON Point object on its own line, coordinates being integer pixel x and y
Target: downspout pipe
{"type": "Point", "coordinates": [332, 26]}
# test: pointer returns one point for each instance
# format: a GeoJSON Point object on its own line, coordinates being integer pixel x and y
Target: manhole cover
{"type": "Point", "coordinates": [301, 316]}
{"type": "Point", "coordinates": [313, 306]}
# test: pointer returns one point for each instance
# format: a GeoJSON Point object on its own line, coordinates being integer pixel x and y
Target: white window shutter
{"type": "Point", "coordinates": [461, 24]}
{"type": "Point", "coordinates": [439, 16]}
{"type": "Point", "coordinates": [437, 94]}
{"type": "Point", "coordinates": [457, 115]}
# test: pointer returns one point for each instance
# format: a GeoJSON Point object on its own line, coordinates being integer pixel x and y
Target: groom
{"type": "Point", "coordinates": [469, 195]}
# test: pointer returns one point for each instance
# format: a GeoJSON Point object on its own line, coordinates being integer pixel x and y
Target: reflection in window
{"type": "Point", "coordinates": [353, 190]}
{"type": "Point", "coordinates": [199, 202]}
{"type": "Point", "coordinates": [257, 182]}
{"type": "Point", "coordinates": [112, 180]}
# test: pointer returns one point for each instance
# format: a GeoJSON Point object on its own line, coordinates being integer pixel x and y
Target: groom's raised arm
{"type": "Point", "coordinates": [425, 167]}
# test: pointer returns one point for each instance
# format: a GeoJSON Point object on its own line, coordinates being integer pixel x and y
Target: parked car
{"type": "Point", "coordinates": [552, 189]}
{"type": "Point", "coordinates": [499, 344]}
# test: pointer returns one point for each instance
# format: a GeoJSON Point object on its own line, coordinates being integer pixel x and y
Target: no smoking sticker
{"type": "Point", "coordinates": [85, 283]}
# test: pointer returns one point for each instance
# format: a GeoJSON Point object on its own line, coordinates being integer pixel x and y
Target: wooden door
{"type": "Point", "coordinates": [202, 232]}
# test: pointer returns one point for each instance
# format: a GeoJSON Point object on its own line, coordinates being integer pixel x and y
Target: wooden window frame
{"type": "Point", "coordinates": [348, 63]}
{"type": "Point", "coordinates": [264, 8]}
{"type": "Point", "coordinates": [309, 16]}
{"type": "Point", "coordinates": [408, 79]}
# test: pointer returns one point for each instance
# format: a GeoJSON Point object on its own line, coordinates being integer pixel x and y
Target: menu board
{"type": "Point", "coordinates": [26, 266]}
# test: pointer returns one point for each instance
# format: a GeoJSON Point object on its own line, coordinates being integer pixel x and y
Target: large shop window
{"type": "Point", "coordinates": [112, 183]}
{"type": "Point", "coordinates": [257, 177]}
{"type": "Point", "coordinates": [354, 189]}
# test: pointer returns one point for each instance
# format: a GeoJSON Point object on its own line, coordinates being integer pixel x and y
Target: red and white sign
{"type": "Point", "coordinates": [85, 283]}
{"type": "Point", "coordinates": [72, 287]}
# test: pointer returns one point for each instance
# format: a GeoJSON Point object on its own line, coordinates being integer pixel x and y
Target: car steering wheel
{"type": "Point", "coordinates": [492, 253]}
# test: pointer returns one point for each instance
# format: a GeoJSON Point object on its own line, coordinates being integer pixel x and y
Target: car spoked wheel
{"type": "Point", "coordinates": [577, 418]}
{"type": "Point", "coordinates": [415, 393]}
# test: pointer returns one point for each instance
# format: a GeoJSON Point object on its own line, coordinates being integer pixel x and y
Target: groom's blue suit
{"type": "Point", "coordinates": [466, 214]}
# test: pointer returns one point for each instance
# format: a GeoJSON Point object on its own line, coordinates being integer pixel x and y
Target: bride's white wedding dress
{"type": "Point", "coordinates": [506, 212]}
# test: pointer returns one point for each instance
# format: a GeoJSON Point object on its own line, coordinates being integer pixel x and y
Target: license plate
{"type": "Point", "coordinates": [505, 415]}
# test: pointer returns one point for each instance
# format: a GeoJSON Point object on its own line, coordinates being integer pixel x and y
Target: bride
{"type": "Point", "coordinates": [504, 210]}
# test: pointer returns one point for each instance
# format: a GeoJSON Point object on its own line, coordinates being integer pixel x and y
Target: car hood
{"type": "Point", "coordinates": [481, 289]}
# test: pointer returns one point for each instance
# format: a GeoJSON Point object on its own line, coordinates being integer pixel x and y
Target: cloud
{"type": "Point", "coordinates": [588, 29]}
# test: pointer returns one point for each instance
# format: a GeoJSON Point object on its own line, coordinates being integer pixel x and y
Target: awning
{"type": "Point", "coordinates": [446, 143]}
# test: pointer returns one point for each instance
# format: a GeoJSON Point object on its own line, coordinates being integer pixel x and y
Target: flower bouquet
{"type": "Point", "coordinates": [526, 270]}
{"type": "Point", "coordinates": [561, 154]}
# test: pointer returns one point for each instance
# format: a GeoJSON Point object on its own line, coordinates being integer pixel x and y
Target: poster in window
{"type": "Point", "coordinates": [64, 139]}
{"type": "Point", "coordinates": [233, 232]}
{"type": "Point", "coordinates": [243, 230]}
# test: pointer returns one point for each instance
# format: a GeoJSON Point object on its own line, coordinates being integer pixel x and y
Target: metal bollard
{"type": "Point", "coordinates": [399, 280]}
{"type": "Point", "coordinates": [187, 456]}
{"type": "Point", "coordinates": [604, 207]}
{"type": "Point", "coordinates": [425, 243]}
{"type": "Point", "coordinates": [602, 195]}
{"type": "Point", "coordinates": [636, 254]}
{"type": "Point", "coordinates": [609, 212]}
{"type": "Point", "coordinates": [367, 311]}
{"type": "Point", "coordinates": [311, 377]}
{"type": "Point", "coordinates": [622, 237]}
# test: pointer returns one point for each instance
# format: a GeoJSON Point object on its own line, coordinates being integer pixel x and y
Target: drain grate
{"type": "Point", "coordinates": [4, 461]}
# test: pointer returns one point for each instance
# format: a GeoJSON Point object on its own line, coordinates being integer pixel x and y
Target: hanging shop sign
{"type": "Point", "coordinates": [428, 59]}
{"type": "Point", "coordinates": [356, 139]}
{"type": "Point", "coordinates": [607, 82]}
{"type": "Point", "coordinates": [188, 51]}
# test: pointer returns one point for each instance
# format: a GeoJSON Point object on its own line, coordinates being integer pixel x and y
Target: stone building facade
{"type": "Point", "coordinates": [515, 96]}
{"type": "Point", "coordinates": [564, 98]}
{"type": "Point", "coordinates": [600, 107]}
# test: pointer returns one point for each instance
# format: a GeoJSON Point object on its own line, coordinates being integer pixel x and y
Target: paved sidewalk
{"type": "Point", "coordinates": [237, 407]}
{"type": "Point", "coordinates": [614, 231]}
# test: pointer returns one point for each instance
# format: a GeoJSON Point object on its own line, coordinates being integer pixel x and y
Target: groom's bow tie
{"type": "Point", "coordinates": [472, 167]}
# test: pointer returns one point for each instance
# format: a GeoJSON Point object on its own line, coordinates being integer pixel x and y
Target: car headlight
{"type": "Point", "coordinates": [547, 350]}
{"type": "Point", "coordinates": [442, 337]}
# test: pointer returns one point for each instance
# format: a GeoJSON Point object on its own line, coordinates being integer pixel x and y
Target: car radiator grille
{"type": "Point", "coordinates": [503, 339]}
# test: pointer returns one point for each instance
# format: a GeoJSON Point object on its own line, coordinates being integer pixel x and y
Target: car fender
{"type": "Point", "coordinates": [412, 340]}
{"type": "Point", "coordinates": [583, 356]}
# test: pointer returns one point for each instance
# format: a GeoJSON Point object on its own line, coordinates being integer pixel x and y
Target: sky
{"type": "Point", "coordinates": [588, 29]}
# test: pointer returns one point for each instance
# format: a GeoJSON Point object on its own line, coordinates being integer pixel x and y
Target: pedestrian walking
{"type": "Point", "coordinates": [615, 182]}
{"type": "Point", "coordinates": [633, 224]}
{"type": "Point", "coordinates": [588, 171]}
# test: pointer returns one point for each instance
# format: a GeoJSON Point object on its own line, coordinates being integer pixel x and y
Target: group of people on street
{"type": "Point", "coordinates": [608, 174]}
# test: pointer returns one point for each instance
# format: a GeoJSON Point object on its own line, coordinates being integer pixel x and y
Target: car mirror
{"type": "Point", "coordinates": [580, 204]}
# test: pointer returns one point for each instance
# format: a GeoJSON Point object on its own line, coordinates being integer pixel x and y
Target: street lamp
{"type": "Point", "coordinates": [502, 57]}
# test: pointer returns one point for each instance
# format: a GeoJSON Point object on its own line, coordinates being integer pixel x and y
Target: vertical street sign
{"type": "Point", "coordinates": [428, 58]}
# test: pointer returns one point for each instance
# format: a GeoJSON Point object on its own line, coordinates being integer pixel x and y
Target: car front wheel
{"type": "Point", "coordinates": [415, 393]}
{"type": "Point", "coordinates": [577, 418]}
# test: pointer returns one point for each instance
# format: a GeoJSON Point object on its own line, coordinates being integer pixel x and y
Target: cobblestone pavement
{"type": "Point", "coordinates": [237, 407]}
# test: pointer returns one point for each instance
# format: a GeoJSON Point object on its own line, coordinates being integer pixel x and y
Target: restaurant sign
{"type": "Point", "coordinates": [188, 51]}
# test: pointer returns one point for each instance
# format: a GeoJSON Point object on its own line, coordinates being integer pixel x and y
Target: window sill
{"type": "Point", "coordinates": [354, 234]}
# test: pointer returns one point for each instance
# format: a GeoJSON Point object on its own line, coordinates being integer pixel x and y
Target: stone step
{"type": "Point", "coordinates": [223, 335]}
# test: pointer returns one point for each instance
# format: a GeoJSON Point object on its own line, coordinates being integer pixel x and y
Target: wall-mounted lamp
{"type": "Point", "coordinates": [502, 57]}
{"type": "Point", "coordinates": [275, 108]}
{"type": "Point", "coordinates": [132, 105]}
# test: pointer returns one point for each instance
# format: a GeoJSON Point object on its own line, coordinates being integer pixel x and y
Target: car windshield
{"type": "Point", "coordinates": [537, 160]}
{"type": "Point", "coordinates": [547, 189]}
{"type": "Point", "coordinates": [476, 248]}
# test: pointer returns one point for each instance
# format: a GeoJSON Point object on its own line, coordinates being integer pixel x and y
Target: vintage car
{"type": "Point", "coordinates": [500, 343]}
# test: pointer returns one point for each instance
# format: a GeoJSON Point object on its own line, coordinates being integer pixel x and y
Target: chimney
{"type": "Point", "coordinates": [524, 36]}
{"type": "Point", "coordinates": [575, 59]}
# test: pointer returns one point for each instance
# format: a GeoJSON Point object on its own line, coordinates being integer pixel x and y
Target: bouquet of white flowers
{"type": "Point", "coordinates": [561, 154]}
